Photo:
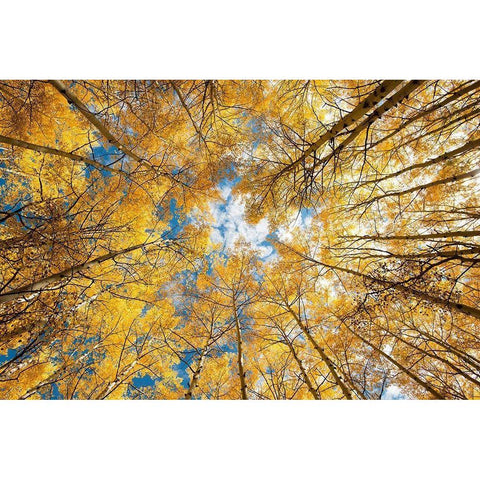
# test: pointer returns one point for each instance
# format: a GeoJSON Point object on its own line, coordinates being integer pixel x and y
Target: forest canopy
{"type": "Point", "coordinates": [222, 239]}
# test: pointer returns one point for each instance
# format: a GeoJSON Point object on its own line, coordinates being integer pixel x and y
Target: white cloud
{"type": "Point", "coordinates": [225, 191]}
{"type": "Point", "coordinates": [393, 393]}
{"type": "Point", "coordinates": [229, 224]}
{"type": "Point", "coordinates": [216, 236]}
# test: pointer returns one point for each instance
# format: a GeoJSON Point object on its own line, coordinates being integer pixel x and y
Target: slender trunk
{"type": "Point", "coordinates": [421, 236]}
{"type": "Point", "coordinates": [468, 359]}
{"type": "Point", "coordinates": [299, 362]}
{"type": "Point", "coordinates": [407, 372]}
{"type": "Point", "coordinates": [452, 254]}
{"type": "Point", "coordinates": [358, 112]}
{"type": "Point", "coordinates": [441, 158]}
{"type": "Point", "coordinates": [450, 98]}
{"type": "Point", "coordinates": [443, 181]}
{"type": "Point", "coordinates": [197, 372]}
{"type": "Point", "coordinates": [389, 103]}
{"type": "Point", "coordinates": [10, 368]}
{"type": "Point", "coordinates": [40, 285]}
{"type": "Point", "coordinates": [456, 369]}
{"type": "Point", "coordinates": [58, 153]}
{"type": "Point", "coordinates": [468, 116]}
{"type": "Point", "coordinates": [333, 369]}
{"type": "Point", "coordinates": [241, 371]}
{"type": "Point", "coordinates": [111, 386]}
{"type": "Point", "coordinates": [92, 118]}
{"type": "Point", "coordinates": [55, 376]}
{"type": "Point", "coordinates": [185, 106]}
{"type": "Point", "coordinates": [459, 307]}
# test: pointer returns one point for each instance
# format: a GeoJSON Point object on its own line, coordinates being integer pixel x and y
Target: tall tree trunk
{"type": "Point", "coordinates": [56, 375]}
{"type": "Point", "coordinates": [389, 103]}
{"type": "Point", "coordinates": [299, 362]}
{"type": "Point", "coordinates": [467, 358]}
{"type": "Point", "coordinates": [42, 284]}
{"type": "Point", "coordinates": [456, 369]}
{"type": "Point", "coordinates": [403, 369]}
{"type": "Point", "coordinates": [456, 306]}
{"type": "Point", "coordinates": [333, 369]}
{"type": "Point", "coordinates": [468, 116]}
{"type": "Point", "coordinates": [420, 236]}
{"type": "Point", "coordinates": [58, 153]}
{"type": "Point", "coordinates": [92, 118]}
{"type": "Point", "coordinates": [451, 254]}
{"type": "Point", "coordinates": [197, 372]}
{"type": "Point", "coordinates": [241, 371]}
{"type": "Point", "coordinates": [358, 112]}
{"type": "Point", "coordinates": [185, 107]}
{"type": "Point", "coordinates": [467, 147]}
{"type": "Point", "coordinates": [443, 181]}
{"type": "Point", "coordinates": [449, 99]}
{"type": "Point", "coordinates": [120, 378]}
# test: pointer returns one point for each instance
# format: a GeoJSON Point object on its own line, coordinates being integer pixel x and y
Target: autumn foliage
{"type": "Point", "coordinates": [120, 277]}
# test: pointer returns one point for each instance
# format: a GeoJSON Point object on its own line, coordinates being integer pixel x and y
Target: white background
{"type": "Point", "coordinates": [244, 39]}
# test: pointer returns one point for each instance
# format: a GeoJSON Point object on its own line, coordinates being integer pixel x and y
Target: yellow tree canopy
{"type": "Point", "coordinates": [224, 239]}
